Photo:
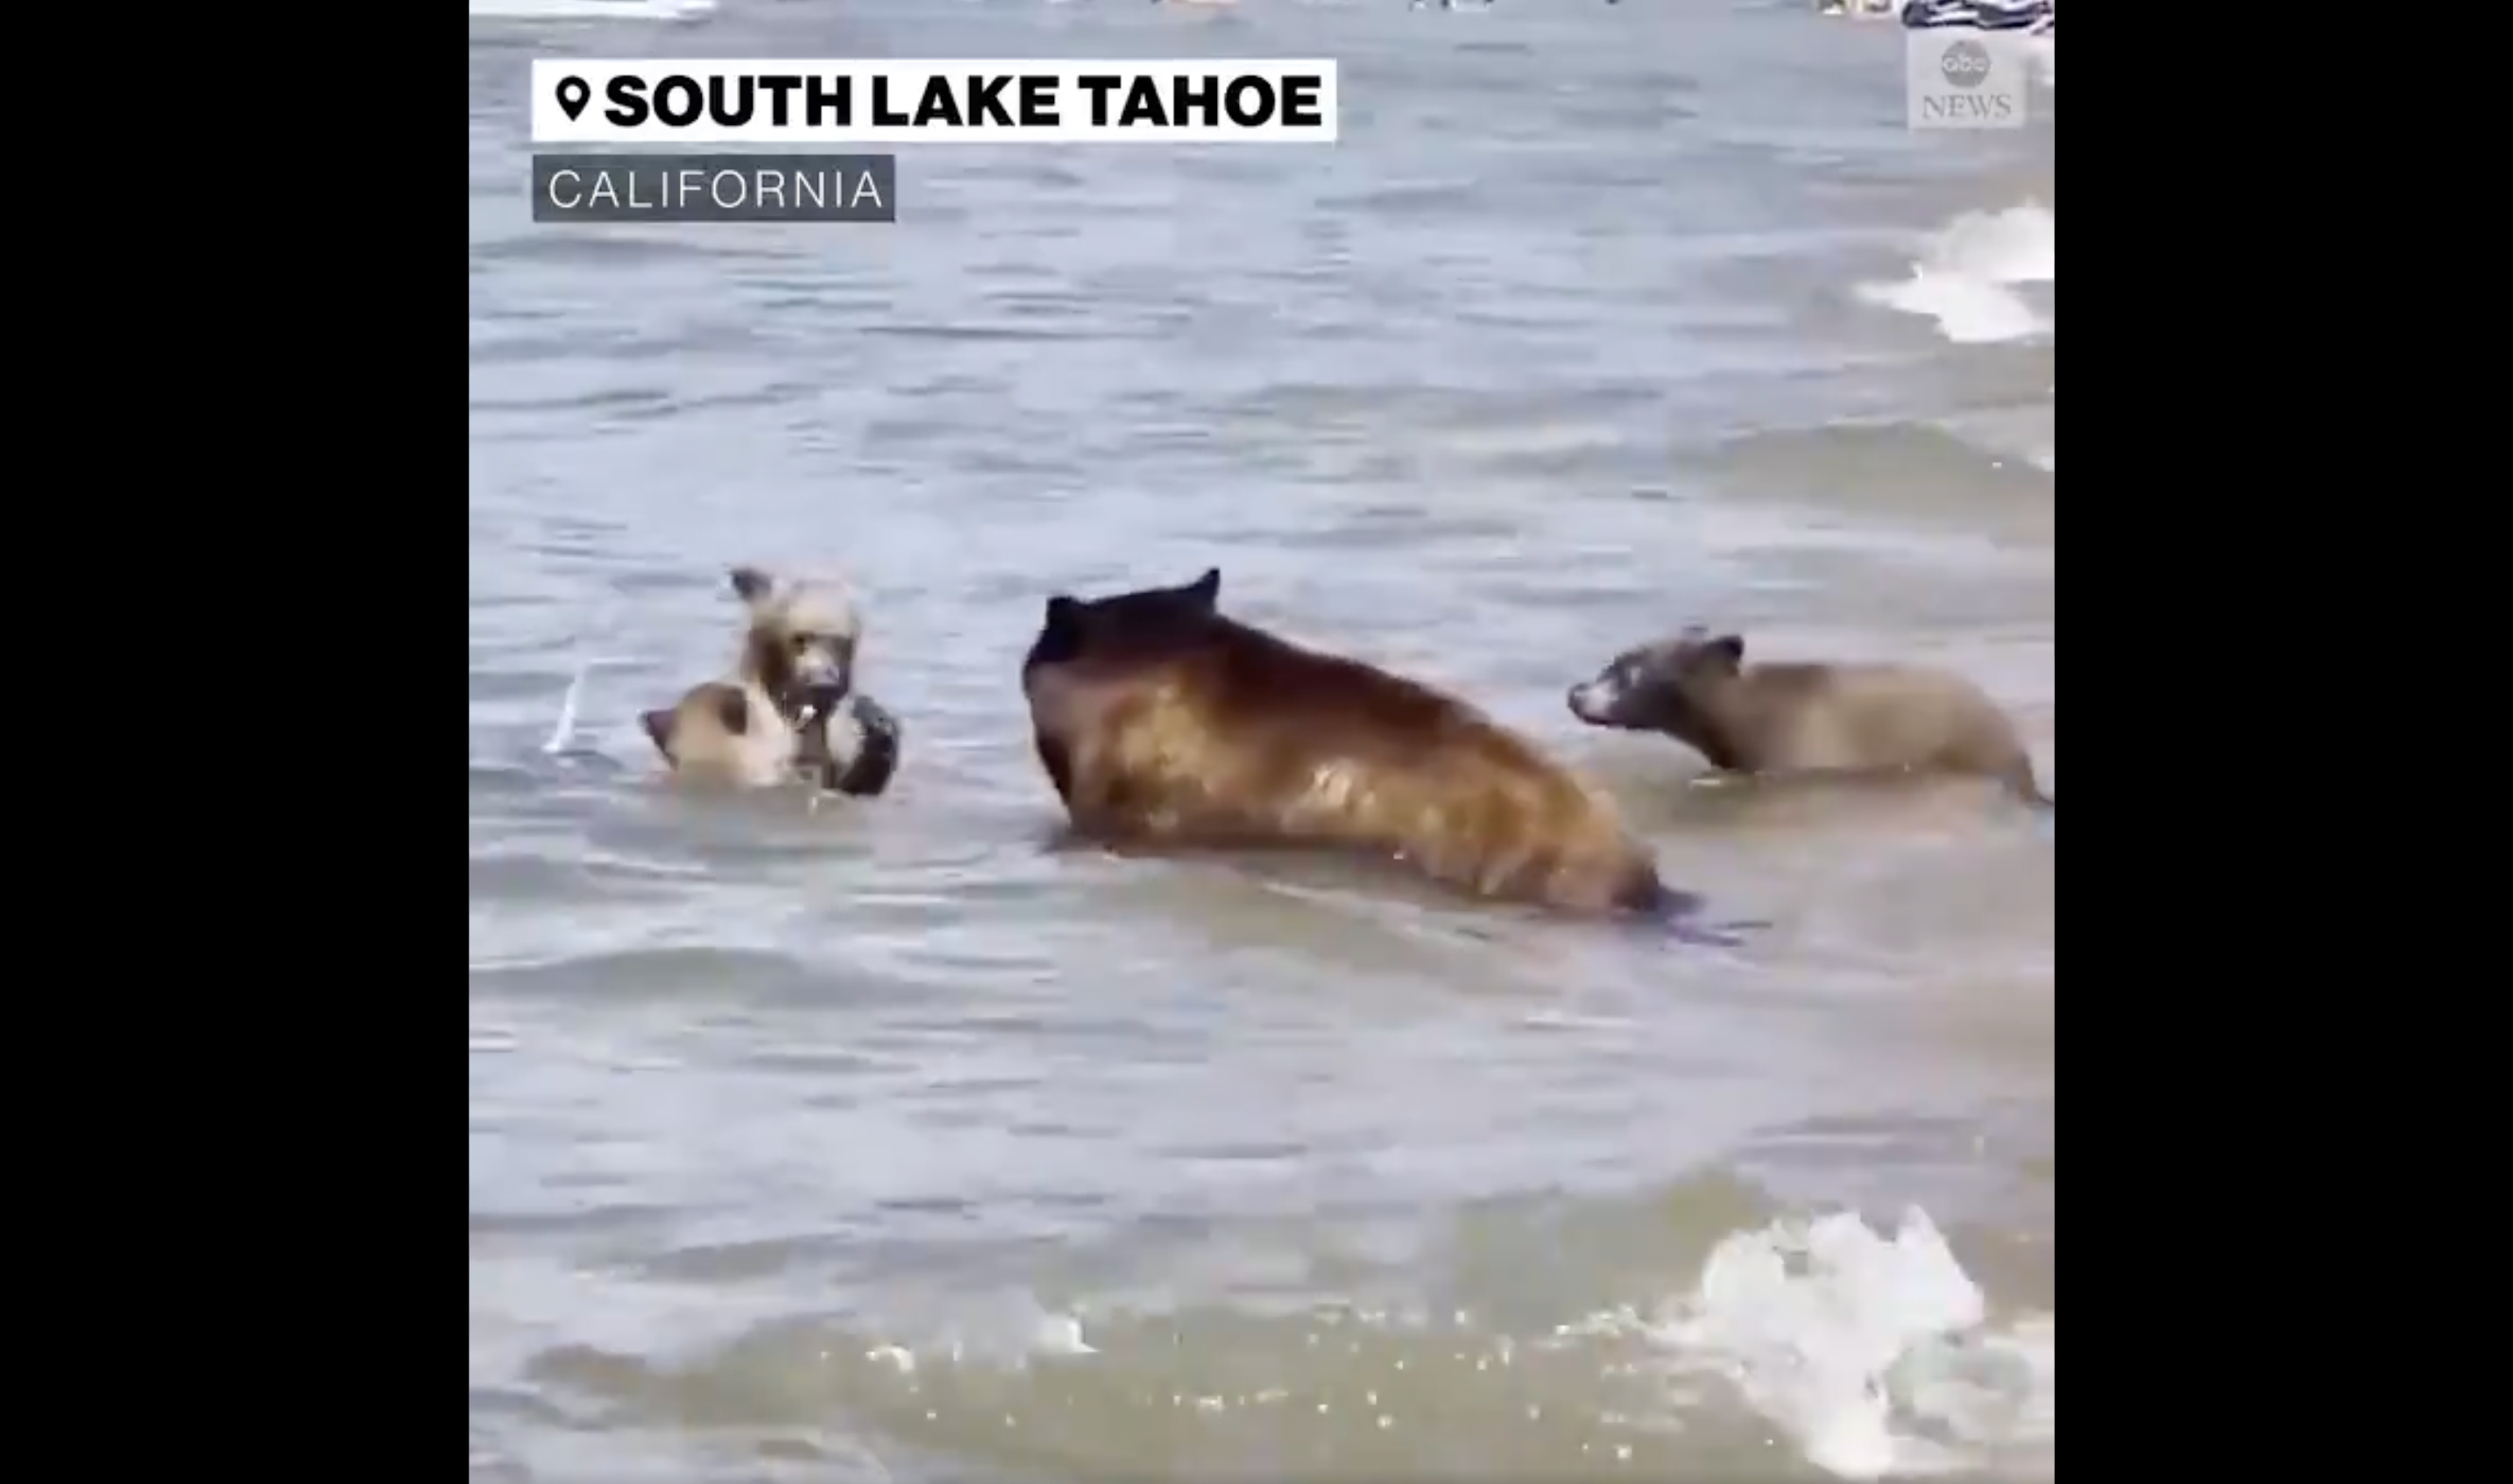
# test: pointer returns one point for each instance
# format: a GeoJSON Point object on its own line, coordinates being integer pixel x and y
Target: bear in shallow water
{"type": "Point", "coordinates": [1806, 717]}
{"type": "Point", "coordinates": [790, 711]}
{"type": "Point", "coordinates": [1161, 720]}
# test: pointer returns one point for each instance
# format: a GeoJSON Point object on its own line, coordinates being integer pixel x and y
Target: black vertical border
{"type": "Point", "coordinates": [247, 282]}
{"type": "Point", "coordinates": [2211, 385]}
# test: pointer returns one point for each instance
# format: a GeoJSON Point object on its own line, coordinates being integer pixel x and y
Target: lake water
{"type": "Point", "coordinates": [883, 1143]}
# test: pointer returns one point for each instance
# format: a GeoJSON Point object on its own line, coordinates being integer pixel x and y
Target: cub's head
{"type": "Point", "coordinates": [707, 729]}
{"type": "Point", "coordinates": [1672, 687]}
{"type": "Point", "coordinates": [801, 643]}
{"type": "Point", "coordinates": [1144, 622]}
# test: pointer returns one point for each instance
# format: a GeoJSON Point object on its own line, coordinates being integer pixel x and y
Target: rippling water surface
{"type": "Point", "coordinates": [883, 1143]}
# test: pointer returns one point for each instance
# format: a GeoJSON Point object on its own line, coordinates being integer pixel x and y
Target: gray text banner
{"type": "Point", "coordinates": [715, 187]}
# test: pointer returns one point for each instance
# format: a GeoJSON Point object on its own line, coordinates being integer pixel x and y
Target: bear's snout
{"type": "Point", "coordinates": [1591, 703]}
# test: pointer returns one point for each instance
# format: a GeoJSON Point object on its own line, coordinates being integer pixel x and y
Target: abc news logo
{"type": "Point", "coordinates": [1963, 83]}
{"type": "Point", "coordinates": [1965, 64]}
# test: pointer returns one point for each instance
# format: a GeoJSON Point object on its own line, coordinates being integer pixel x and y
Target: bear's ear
{"type": "Point", "coordinates": [1059, 632]}
{"type": "Point", "coordinates": [732, 709]}
{"type": "Point", "coordinates": [1207, 589]}
{"type": "Point", "coordinates": [1726, 653]}
{"type": "Point", "coordinates": [750, 584]}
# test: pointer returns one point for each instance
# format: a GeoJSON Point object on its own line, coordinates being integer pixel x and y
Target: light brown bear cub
{"type": "Point", "coordinates": [1860, 718]}
{"type": "Point", "coordinates": [1159, 720]}
{"type": "Point", "coordinates": [789, 711]}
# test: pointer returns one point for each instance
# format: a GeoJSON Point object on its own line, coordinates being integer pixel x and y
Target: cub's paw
{"type": "Point", "coordinates": [876, 752]}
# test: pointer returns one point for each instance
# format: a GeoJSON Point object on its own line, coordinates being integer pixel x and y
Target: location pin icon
{"type": "Point", "coordinates": [572, 96]}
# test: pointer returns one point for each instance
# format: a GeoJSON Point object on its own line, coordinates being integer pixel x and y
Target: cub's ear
{"type": "Point", "coordinates": [732, 709]}
{"type": "Point", "coordinates": [1063, 611]}
{"type": "Point", "coordinates": [750, 584]}
{"type": "Point", "coordinates": [1207, 589]}
{"type": "Point", "coordinates": [1728, 651]}
{"type": "Point", "coordinates": [660, 726]}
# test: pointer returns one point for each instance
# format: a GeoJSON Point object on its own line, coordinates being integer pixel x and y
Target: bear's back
{"type": "Point", "coordinates": [1880, 715]}
{"type": "Point", "coordinates": [1230, 735]}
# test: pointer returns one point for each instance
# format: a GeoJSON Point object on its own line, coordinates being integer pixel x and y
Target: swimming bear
{"type": "Point", "coordinates": [790, 710]}
{"type": "Point", "coordinates": [1161, 720]}
{"type": "Point", "coordinates": [1806, 717]}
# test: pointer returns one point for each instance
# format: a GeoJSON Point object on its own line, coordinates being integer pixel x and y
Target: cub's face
{"type": "Point", "coordinates": [801, 645]}
{"type": "Point", "coordinates": [1662, 686]}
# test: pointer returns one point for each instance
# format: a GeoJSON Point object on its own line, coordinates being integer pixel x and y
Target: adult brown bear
{"type": "Point", "coordinates": [1161, 720]}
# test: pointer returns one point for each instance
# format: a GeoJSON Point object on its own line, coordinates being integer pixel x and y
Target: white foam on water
{"type": "Point", "coordinates": [1061, 1335]}
{"type": "Point", "coordinates": [1012, 1333]}
{"type": "Point", "coordinates": [1874, 1353]}
{"type": "Point", "coordinates": [590, 10]}
{"type": "Point", "coordinates": [563, 733]}
{"type": "Point", "coordinates": [1966, 279]}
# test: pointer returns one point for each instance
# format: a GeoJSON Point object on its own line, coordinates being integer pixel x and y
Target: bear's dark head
{"type": "Point", "coordinates": [1676, 687]}
{"type": "Point", "coordinates": [1085, 648]}
{"type": "Point", "coordinates": [1144, 622]}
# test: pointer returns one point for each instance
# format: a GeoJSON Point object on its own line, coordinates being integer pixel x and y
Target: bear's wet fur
{"type": "Point", "coordinates": [1804, 718]}
{"type": "Point", "coordinates": [1161, 720]}
{"type": "Point", "coordinates": [790, 710]}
